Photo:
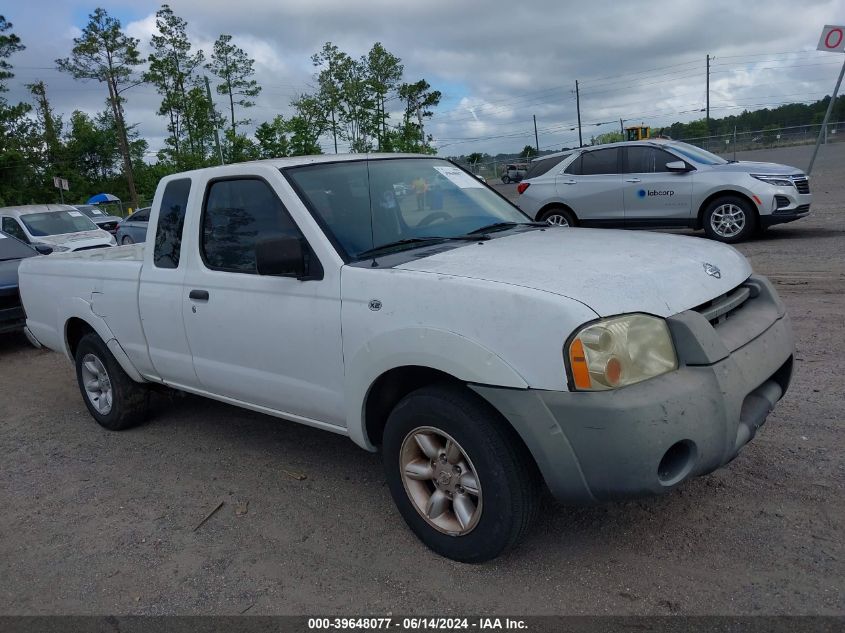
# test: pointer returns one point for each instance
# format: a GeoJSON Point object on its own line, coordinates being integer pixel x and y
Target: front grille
{"type": "Point", "coordinates": [9, 300]}
{"type": "Point", "coordinates": [801, 184]}
{"type": "Point", "coordinates": [109, 226]}
{"type": "Point", "coordinates": [89, 248]}
{"type": "Point", "coordinates": [725, 306]}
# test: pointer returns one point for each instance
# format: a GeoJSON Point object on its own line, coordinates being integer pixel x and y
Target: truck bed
{"type": "Point", "coordinates": [100, 284]}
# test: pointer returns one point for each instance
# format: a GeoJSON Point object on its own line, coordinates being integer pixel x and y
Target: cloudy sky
{"type": "Point", "coordinates": [496, 63]}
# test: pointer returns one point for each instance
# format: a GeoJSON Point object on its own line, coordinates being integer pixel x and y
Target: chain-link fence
{"type": "Point", "coordinates": [769, 137]}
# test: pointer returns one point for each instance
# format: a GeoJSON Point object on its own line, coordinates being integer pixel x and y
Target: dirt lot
{"type": "Point", "coordinates": [95, 522]}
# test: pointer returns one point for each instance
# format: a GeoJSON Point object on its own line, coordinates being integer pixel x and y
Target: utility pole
{"type": "Point", "coordinates": [708, 94]}
{"type": "Point", "coordinates": [536, 139]}
{"type": "Point", "coordinates": [216, 131]}
{"type": "Point", "coordinates": [621, 129]}
{"type": "Point", "coordinates": [578, 106]}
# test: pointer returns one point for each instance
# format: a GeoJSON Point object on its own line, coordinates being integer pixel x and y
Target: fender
{"type": "Point", "coordinates": [445, 351]}
{"type": "Point", "coordinates": [76, 307]}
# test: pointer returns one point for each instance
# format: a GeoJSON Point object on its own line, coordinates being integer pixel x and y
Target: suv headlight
{"type": "Point", "coordinates": [777, 181]}
{"type": "Point", "coordinates": [620, 351]}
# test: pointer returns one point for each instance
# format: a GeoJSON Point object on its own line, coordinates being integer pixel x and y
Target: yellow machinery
{"type": "Point", "coordinates": [637, 133]}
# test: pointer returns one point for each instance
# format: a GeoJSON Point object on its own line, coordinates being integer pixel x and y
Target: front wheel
{"type": "Point", "coordinates": [730, 219]}
{"type": "Point", "coordinates": [113, 399]}
{"type": "Point", "coordinates": [506, 179]}
{"type": "Point", "coordinates": [126, 240]}
{"type": "Point", "coordinates": [460, 476]}
{"type": "Point", "coordinates": [559, 217]}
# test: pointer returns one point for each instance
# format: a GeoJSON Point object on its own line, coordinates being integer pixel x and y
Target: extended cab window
{"type": "Point", "coordinates": [237, 214]}
{"type": "Point", "coordinates": [13, 228]}
{"type": "Point", "coordinates": [601, 161]}
{"type": "Point", "coordinates": [171, 221]}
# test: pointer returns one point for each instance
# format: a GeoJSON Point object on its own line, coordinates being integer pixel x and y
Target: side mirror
{"type": "Point", "coordinates": [43, 249]}
{"type": "Point", "coordinates": [285, 256]}
{"type": "Point", "coordinates": [677, 165]}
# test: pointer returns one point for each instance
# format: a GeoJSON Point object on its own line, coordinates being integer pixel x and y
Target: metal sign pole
{"type": "Point", "coordinates": [826, 118]}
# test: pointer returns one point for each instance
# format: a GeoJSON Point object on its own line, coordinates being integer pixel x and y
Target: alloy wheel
{"type": "Point", "coordinates": [97, 384]}
{"type": "Point", "coordinates": [727, 220]}
{"type": "Point", "coordinates": [440, 481]}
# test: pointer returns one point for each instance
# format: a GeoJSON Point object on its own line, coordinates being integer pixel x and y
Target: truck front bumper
{"type": "Point", "coordinates": [648, 438]}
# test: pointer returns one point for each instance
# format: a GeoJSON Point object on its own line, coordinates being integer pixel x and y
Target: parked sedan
{"type": "Point", "coordinates": [102, 219]}
{"type": "Point", "coordinates": [58, 226]}
{"type": "Point", "coordinates": [666, 184]}
{"type": "Point", "coordinates": [12, 251]}
{"type": "Point", "coordinates": [133, 229]}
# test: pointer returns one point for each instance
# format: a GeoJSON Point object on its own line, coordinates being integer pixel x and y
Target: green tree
{"type": "Point", "coordinates": [105, 53]}
{"type": "Point", "coordinates": [357, 105]}
{"type": "Point", "coordinates": [608, 137]}
{"type": "Point", "coordinates": [235, 70]}
{"type": "Point", "coordinates": [272, 138]}
{"type": "Point", "coordinates": [475, 158]}
{"type": "Point", "coordinates": [384, 72]}
{"type": "Point", "coordinates": [172, 68]}
{"type": "Point", "coordinates": [419, 99]}
{"type": "Point", "coordinates": [332, 63]}
{"type": "Point", "coordinates": [9, 44]}
{"type": "Point", "coordinates": [306, 126]}
{"type": "Point", "coordinates": [528, 151]}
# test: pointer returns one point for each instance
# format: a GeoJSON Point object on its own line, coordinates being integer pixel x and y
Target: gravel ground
{"type": "Point", "coordinates": [95, 522]}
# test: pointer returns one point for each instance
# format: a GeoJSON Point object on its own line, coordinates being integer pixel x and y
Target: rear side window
{"type": "Point", "coordinates": [237, 214]}
{"type": "Point", "coordinates": [574, 168]}
{"type": "Point", "coordinates": [171, 221]}
{"type": "Point", "coordinates": [601, 161]}
{"type": "Point", "coordinates": [543, 166]}
{"type": "Point", "coordinates": [13, 228]}
{"type": "Point", "coordinates": [140, 216]}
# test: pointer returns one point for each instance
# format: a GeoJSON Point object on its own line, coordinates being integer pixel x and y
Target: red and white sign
{"type": "Point", "coordinates": [832, 39]}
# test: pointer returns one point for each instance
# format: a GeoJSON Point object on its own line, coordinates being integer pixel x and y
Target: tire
{"type": "Point", "coordinates": [125, 240]}
{"type": "Point", "coordinates": [559, 217]}
{"type": "Point", "coordinates": [498, 475]}
{"type": "Point", "coordinates": [122, 403]}
{"type": "Point", "coordinates": [730, 219]}
{"type": "Point", "coordinates": [506, 179]}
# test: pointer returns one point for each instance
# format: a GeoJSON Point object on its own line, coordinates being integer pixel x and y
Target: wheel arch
{"type": "Point", "coordinates": [699, 222]}
{"type": "Point", "coordinates": [555, 205]}
{"type": "Point", "coordinates": [383, 370]}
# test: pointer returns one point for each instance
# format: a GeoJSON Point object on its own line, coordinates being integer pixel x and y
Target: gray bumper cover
{"type": "Point", "coordinates": [647, 438]}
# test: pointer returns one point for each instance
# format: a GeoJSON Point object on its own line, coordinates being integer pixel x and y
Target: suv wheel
{"type": "Point", "coordinates": [459, 475]}
{"type": "Point", "coordinates": [113, 399]}
{"type": "Point", "coordinates": [127, 240]}
{"type": "Point", "coordinates": [506, 179]}
{"type": "Point", "coordinates": [559, 217]}
{"type": "Point", "coordinates": [729, 219]}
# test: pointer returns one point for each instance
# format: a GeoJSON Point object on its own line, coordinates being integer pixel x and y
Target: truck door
{"type": "Point", "coordinates": [655, 196]}
{"type": "Point", "coordinates": [268, 341]}
{"type": "Point", "coordinates": [591, 186]}
{"type": "Point", "coordinates": [161, 287]}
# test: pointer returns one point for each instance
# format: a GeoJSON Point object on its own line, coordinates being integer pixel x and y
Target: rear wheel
{"type": "Point", "coordinates": [730, 219]}
{"type": "Point", "coordinates": [559, 217]}
{"type": "Point", "coordinates": [506, 179]}
{"type": "Point", "coordinates": [114, 400]}
{"type": "Point", "coordinates": [460, 477]}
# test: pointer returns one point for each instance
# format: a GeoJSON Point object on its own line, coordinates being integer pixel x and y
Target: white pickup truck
{"type": "Point", "coordinates": [398, 300]}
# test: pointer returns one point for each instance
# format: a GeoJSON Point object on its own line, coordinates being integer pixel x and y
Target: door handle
{"type": "Point", "coordinates": [198, 295]}
{"type": "Point", "coordinates": [570, 182]}
{"type": "Point", "coordinates": [633, 180]}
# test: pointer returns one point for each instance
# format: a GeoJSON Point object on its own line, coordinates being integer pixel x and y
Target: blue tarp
{"type": "Point", "coordinates": [102, 197]}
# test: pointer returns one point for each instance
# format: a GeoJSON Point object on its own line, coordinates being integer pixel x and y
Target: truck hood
{"type": "Point", "coordinates": [78, 240]}
{"type": "Point", "coordinates": [612, 272]}
{"type": "Point", "coordinates": [750, 167]}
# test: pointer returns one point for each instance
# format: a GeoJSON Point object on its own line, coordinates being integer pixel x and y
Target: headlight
{"type": "Point", "coordinates": [620, 351]}
{"type": "Point", "coordinates": [777, 181]}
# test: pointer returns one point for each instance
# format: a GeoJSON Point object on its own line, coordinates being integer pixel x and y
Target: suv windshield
{"type": "Point", "coordinates": [697, 155]}
{"type": "Point", "coordinates": [56, 223]}
{"type": "Point", "coordinates": [367, 204]}
{"type": "Point", "coordinates": [10, 248]}
{"type": "Point", "coordinates": [91, 211]}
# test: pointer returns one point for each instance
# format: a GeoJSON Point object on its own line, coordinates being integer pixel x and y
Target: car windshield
{"type": "Point", "coordinates": [10, 248]}
{"type": "Point", "coordinates": [56, 223]}
{"type": "Point", "coordinates": [697, 155]}
{"type": "Point", "coordinates": [367, 204]}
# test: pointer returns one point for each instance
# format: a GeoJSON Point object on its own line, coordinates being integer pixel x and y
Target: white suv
{"type": "Point", "coordinates": [664, 184]}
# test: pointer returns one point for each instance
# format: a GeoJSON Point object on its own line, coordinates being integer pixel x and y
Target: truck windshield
{"type": "Point", "coordinates": [367, 204]}
{"type": "Point", "coordinates": [56, 223]}
{"type": "Point", "coordinates": [697, 155]}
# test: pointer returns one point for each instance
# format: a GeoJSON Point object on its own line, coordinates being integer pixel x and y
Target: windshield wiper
{"type": "Point", "coordinates": [503, 226]}
{"type": "Point", "coordinates": [422, 240]}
